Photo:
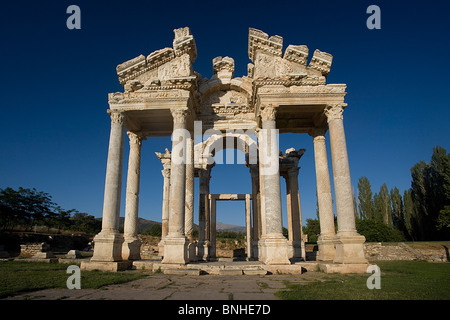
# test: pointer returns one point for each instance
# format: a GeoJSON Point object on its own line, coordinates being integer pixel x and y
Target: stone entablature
{"type": "Point", "coordinates": [165, 78]}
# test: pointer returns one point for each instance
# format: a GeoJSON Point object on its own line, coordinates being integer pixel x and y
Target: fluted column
{"type": "Point", "coordinates": [248, 224]}
{"type": "Point", "coordinates": [131, 246]}
{"type": "Point", "coordinates": [165, 207]}
{"type": "Point", "coordinates": [212, 226]}
{"type": "Point", "coordinates": [254, 172]}
{"type": "Point", "coordinates": [108, 243]}
{"type": "Point", "coordinates": [324, 199]}
{"type": "Point", "coordinates": [349, 244]}
{"type": "Point", "coordinates": [273, 243]}
{"type": "Point", "coordinates": [203, 215]}
{"type": "Point", "coordinates": [175, 244]}
{"type": "Point", "coordinates": [189, 203]}
{"type": "Point", "coordinates": [295, 225]}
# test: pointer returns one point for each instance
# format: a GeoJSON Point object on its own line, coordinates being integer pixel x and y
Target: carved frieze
{"type": "Point", "coordinates": [225, 103]}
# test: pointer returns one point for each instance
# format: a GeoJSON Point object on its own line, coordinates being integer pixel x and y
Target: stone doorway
{"type": "Point", "coordinates": [213, 205]}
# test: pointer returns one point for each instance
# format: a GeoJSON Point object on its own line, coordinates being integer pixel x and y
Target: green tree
{"type": "Point", "coordinates": [378, 208]}
{"type": "Point", "coordinates": [377, 231]}
{"type": "Point", "coordinates": [430, 193]}
{"type": "Point", "coordinates": [386, 212]}
{"type": "Point", "coordinates": [366, 206]}
{"type": "Point", "coordinates": [398, 218]}
{"type": "Point", "coordinates": [154, 230]}
{"type": "Point", "coordinates": [312, 229]}
{"type": "Point", "coordinates": [24, 207]}
{"type": "Point", "coordinates": [86, 223]}
{"type": "Point", "coordinates": [411, 219]}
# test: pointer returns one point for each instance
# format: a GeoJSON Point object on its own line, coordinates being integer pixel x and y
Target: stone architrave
{"type": "Point", "coordinates": [176, 243]}
{"type": "Point", "coordinates": [131, 245]}
{"type": "Point", "coordinates": [327, 251]}
{"type": "Point", "coordinates": [273, 243]}
{"type": "Point", "coordinates": [108, 243]}
{"type": "Point", "coordinates": [349, 244]}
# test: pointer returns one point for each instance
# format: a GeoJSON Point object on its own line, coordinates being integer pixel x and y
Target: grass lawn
{"type": "Point", "coordinates": [17, 276]}
{"type": "Point", "coordinates": [400, 280]}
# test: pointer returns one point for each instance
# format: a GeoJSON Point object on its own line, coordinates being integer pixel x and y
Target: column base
{"type": "Point", "coordinates": [192, 251]}
{"type": "Point", "coordinates": [176, 250]}
{"type": "Point", "coordinates": [131, 248]}
{"type": "Point", "coordinates": [274, 250]}
{"type": "Point", "coordinates": [295, 249]}
{"type": "Point", "coordinates": [161, 248]}
{"type": "Point", "coordinates": [108, 247]}
{"type": "Point", "coordinates": [203, 250]}
{"type": "Point", "coordinates": [327, 250]}
{"type": "Point", "coordinates": [111, 266]}
{"type": "Point", "coordinates": [349, 248]}
{"type": "Point", "coordinates": [255, 250]}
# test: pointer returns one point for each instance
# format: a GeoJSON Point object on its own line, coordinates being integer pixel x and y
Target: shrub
{"type": "Point", "coordinates": [376, 231]}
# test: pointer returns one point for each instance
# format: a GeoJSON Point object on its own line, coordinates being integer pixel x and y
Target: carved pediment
{"type": "Point", "coordinates": [291, 67]}
{"type": "Point", "coordinates": [161, 67]}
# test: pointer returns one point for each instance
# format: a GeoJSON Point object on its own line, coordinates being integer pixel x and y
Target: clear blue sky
{"type": "Point", "coordinates": [55, 129]}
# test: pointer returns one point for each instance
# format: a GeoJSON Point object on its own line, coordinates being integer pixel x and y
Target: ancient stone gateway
{"type": "Point", "coordinates": [164, 96]}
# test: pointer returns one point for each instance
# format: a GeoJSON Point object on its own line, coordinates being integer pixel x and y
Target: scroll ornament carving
{"type": "Point", "coordinates": [268, 113]}
{"type": "Point", "coordinates": [117, 118]}
{"type": "Point", "coordinates": [166, 172]}
{"type": "Point", "coordinates": [179, 114]}
{"type": "Point", "coordinates": [135, 139]}
{"type": "Point", "coordinates": [334, 111]}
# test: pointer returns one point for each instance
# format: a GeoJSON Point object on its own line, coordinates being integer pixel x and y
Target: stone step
{"type": "Point", "coordinates": [183, 272]}
{"type": "Point", "coordinates": [230, 272]}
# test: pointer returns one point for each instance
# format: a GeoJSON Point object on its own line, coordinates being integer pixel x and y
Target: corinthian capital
{"type": "Point", "coordinates": [135, 139]}
{"type": "Point", "coordinates": [269, 112]}
{"type": "Point", "coordinates": [334, 111]}
{"type": "Point", "coordinates": [179, 114]}
{"type": "Point", "coordinates": [117, 117]}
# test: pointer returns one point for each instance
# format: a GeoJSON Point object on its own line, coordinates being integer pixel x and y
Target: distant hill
{"type": "Point", "coordinates": [144, 224]}
{"type": "Point", "coordinates": [230, 227]}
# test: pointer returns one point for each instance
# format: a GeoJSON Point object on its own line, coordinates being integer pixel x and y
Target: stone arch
{"type": "Point", "coordinates": [206, 150]}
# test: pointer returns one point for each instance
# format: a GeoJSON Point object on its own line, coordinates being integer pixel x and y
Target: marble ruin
{"type": "Point", "coordinates": [163, 95]}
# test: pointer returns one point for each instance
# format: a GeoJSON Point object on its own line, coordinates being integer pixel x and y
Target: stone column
{"type": "Point", "coordinates": [273, 243]}
{"type": "Point", "coordinates": [212, 234]}
{"type": "Point", "coordinates": [131, 245]}
{"type": "Point", "coordinates": [176, 243]}
{"type": "Point", "coordinates": [254, 172]}
{"type": "Point", "coordinates": [189, 203]}
{"type": "Point", "coordinates": [295, 229]}
{"type": "Point", "coordinates": [349, 244]}
{"type": "Point", "coordinates": [108, 243]}
{"type": "Point", "coordinates": [248, 223]}
{"type": "Point", "coordinates": [203, 213]}
{"type": "Point", "coordinates": [165, 208]}
{"type": "Point", "coordinates": [327, 250]}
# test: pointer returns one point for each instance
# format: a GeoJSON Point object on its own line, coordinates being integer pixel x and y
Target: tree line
{"type": "Point", "coordinates": [423, 211]}
{"type": "Point", "coordinates": [420, 213]}
{"type": "Point", "coordinates": [26, 208]}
